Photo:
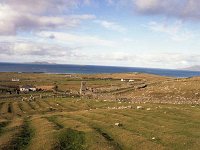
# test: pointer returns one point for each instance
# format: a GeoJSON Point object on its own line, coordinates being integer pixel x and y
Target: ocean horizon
{"type": "Point", "coordinates": [90, 69]}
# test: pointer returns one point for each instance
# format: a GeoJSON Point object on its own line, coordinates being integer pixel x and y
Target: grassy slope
{"type": "Point", "coordinates": [165, 126]}
{"type": "Point", "coordinates": [88, 124]}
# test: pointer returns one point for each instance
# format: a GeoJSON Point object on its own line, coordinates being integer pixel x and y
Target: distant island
{"type": "Point", "coordinates": [41, 62]}
{"type": "Point", "coordinates": [192, 68]}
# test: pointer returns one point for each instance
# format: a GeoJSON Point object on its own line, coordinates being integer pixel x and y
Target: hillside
{"type": "Point", "coordinates": [192, 68]}
{"type": "Point", "coordinates": [149, 113]}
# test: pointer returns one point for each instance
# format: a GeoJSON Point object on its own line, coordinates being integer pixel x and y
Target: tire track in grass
{"type": "Point", "coordinates": [94, 138]}
{"type": "Point", "coordinates": [44, 134]}
{"type": "Point", "coordinates": [45, 107]}
{"type": "Point", "coordinates": [71, 123]}
{"type": "Point", "coordinates": [125, 138]}
{"type": "Point", "coordinates": [3, 124]}
{"type": "Point", "coordinates": [152, 125]}
{"type": "Point", "coordinates": [16, 109]}
{"type": "Point", "coordinates": [1, 104]}
{"type": "Point", "coordinates": [53, 119]}
{"type": "Point", "coordinates": [30, 103]}
{"type": "Point", "coordinates": [26, 108]}
{"type": "Point", "coordinates": [21, 107]}
{"type": "Point", "coordinates": [4, 108]}
{"type": "Point", "coordinates": [113, 133]}
{"type": "Point", "coordinates": [10, 108]}
{"type": "Point", "coordinates": [36, 105]}
{"type": "Point", "coordinates": [138, 126]}
{"type": "Point", "coordinates": [49, 107]}
{"type": "Point", "coordinates": [40, 105]}
{"type": "Point", "coordinates": [66, 107]}
{"type": "Point", "coordinates": [70, 139]}
{"type": "Point", "coordinates": [140, 115]}
{"type": "Point", "coordinates": [139, 120]}
{"type": "Point", "coordinates": [54, 105]}
{"type": "Point", "coordinates": [108, 138]}
{"type": "Point", "coordinates": [22, 139]}
{"type": "Point", "coordinates": [148, 128]}
{"type": "Point", "coordinates": [11, 131]}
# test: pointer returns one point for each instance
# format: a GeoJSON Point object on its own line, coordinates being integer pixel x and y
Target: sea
{"type": "Point", "coordinates": [90, 69]}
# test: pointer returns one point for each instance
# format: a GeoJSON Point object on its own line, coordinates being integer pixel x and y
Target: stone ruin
{"type": "Point", "coordinates": [83, 88]}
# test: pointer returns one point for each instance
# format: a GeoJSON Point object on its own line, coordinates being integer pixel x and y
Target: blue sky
{"type": "Point", "coordinates": [137, 33]}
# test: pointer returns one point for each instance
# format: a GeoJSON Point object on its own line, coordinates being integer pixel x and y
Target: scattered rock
{"type": "Point", "coordinates": [118, 124]}
{"type": "Point", "coordinates": [140, 107]}
{"type": "Point", "coordinates": [51, 109]}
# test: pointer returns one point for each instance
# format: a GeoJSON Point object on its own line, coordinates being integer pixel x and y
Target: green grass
{"type": "Point", "coordinates": [53, 119]}
{"type": "Point", "coordinates": [173, 126]}
{"type": "Point", "coordinates": [21, 142]}
{"type": "Point", "coordinates": [73, 122]}
{"type": "Point", "coordinates": [9, 108]}
{"type": "Point", "coordinates": [108, 138]}
{"type": "Point", "coordinates": [3, 125]}
{"type": "Point", "coordinates": [70, 139]}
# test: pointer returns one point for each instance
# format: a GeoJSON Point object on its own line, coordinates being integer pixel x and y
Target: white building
{"type": "Point", "coordinates": [130, 80]}
{"type": "Point", "coordinates": [27, 88]}
{"type": "Point", "coordinates": [15, 80]}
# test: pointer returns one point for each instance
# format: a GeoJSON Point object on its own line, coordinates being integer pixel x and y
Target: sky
{"type": "Point", "coordinates": [133, 33]}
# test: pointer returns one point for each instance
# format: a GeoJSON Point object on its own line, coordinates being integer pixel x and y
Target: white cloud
{"type": "Point", "coordinates": [31, 15]}
{"type": "Point", "coordinates": [111, 25]}
{"type": "Point", "coordinates": [151, 60]}
{"type": "Point", "coordinates": [184, 9]}
{"type": "Point", "coordinates": [175, 31]}
{"type": "Point", "coordinates": [26, 48]}
{"type": "Point", "coordinates": [12, 49]}
{"type": "Point", "coordinates": [75, 39]}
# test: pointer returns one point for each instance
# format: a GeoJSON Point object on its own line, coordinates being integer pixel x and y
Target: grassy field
{"type": "Point", "coordinates": [171, 122]}
{"type": "Point", "coordinates": [89, 124]}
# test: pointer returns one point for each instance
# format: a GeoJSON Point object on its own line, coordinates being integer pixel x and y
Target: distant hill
{"type": "Point", "coordinates": [192, 68]}
{"type": "Point", "coordinates": [41, 62]}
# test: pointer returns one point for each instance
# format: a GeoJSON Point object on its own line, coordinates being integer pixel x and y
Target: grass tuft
{"type": "Point", "coordinates": [108, 138]}
{"type": "Point", "coordinates": [2, 125]}
{"type": "Point", "coordinates": [22, 140]}
{"type": "Point", "coordinates": [9, 108]}
{"type": "Point", "coordinates": [53, 120]}
{"type": "Point", "coordinates": [70, 139]}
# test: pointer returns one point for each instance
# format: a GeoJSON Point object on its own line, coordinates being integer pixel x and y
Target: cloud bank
{"type": "Point", "coordinates": [46, 28]}
{"type": "Point", "coordinates": [183, 9]}
{"type": "Point", "coordinates": [28, 15]}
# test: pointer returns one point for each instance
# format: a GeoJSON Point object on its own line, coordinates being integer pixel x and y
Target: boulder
{"type": "Point", "coordinates": [140, 107]}
{"type": "Point", "coordinates": [118, 124]}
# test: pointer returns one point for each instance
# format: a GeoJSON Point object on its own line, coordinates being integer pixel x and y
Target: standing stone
{"type": "Point", "coordinates": [83, 88]}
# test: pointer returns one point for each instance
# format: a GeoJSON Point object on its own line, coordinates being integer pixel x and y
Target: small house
{"type": "Point", "coordinates": [68, 75]}
{"type": "Point", "coordinates": [130, 80]}
{"type": "Point", "coordinates": [27, 88]}
{"type": "Point", "coordinates": [15, 80]}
